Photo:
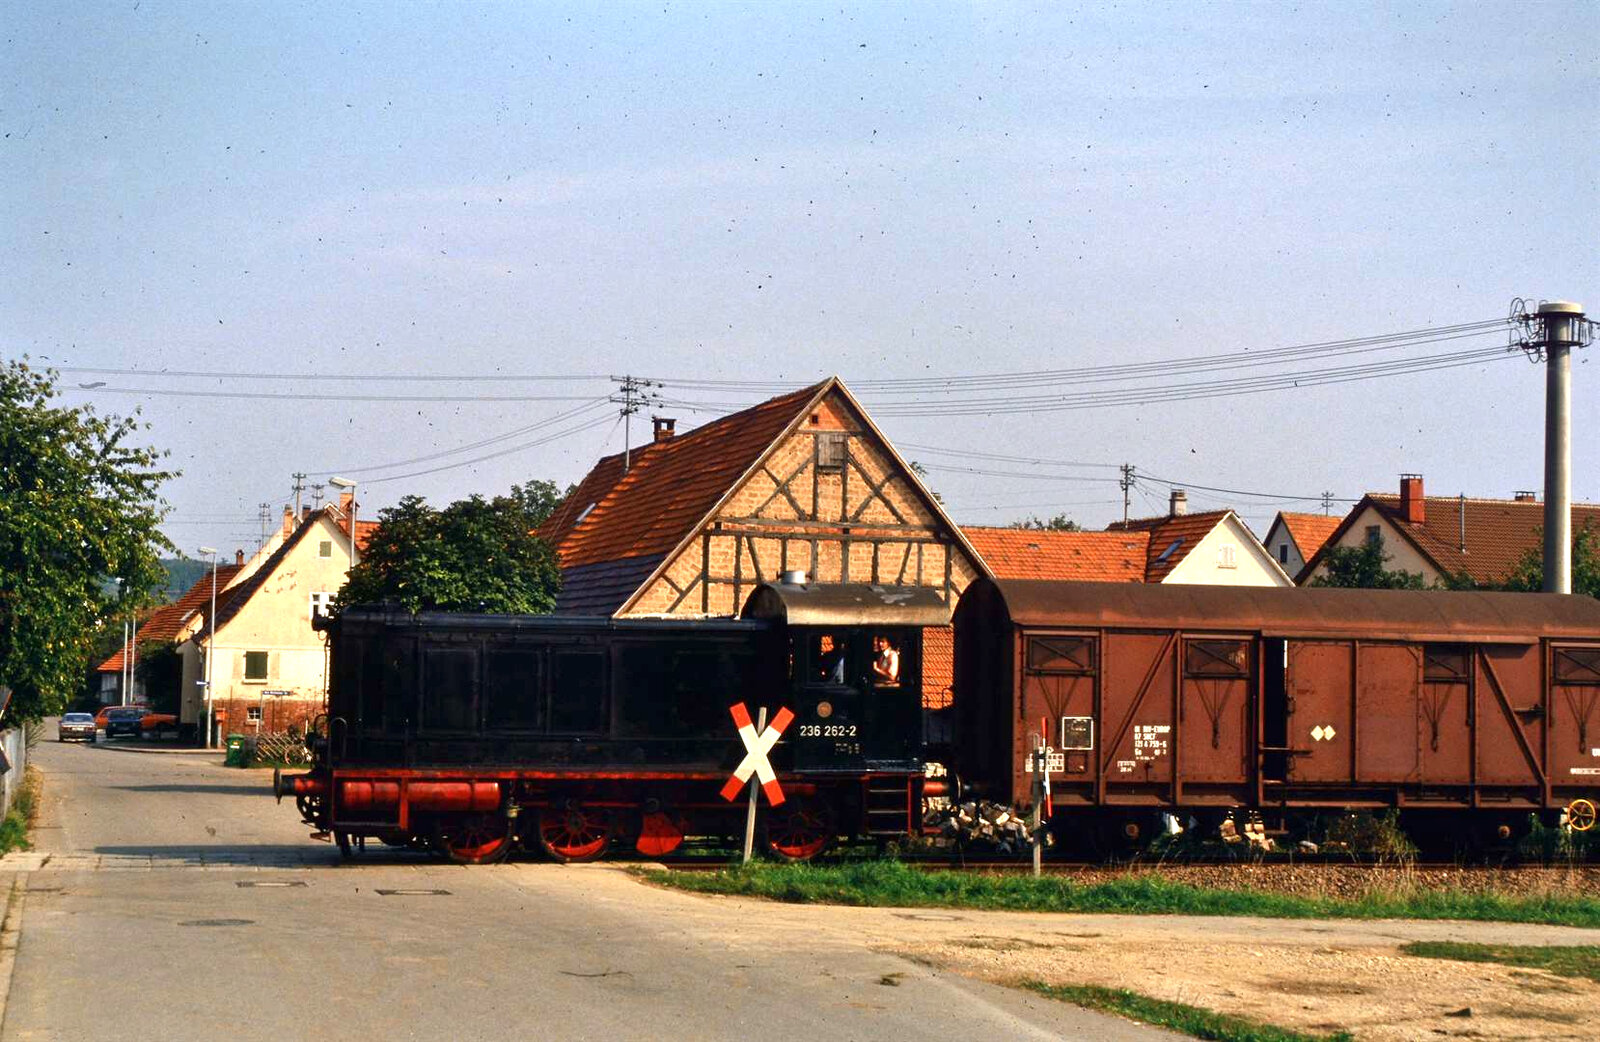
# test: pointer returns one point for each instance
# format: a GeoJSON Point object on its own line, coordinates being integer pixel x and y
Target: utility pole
{"type": "Point", "coordinates": [1549, 335]}
{"type": "Point", "coordinates": [265, 511]}
{"type": "Point", "coordinates": [1126, 482]}
{"type": "Point", "coordinates": [299, 487]}
{"type": "Point", "coordinates": [633, 395]}
{"type": "Point", "coordinates": [1327, 503]}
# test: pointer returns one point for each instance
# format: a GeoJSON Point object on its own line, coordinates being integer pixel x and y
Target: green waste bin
{"type": "Point", "coordinates": [236, 753]}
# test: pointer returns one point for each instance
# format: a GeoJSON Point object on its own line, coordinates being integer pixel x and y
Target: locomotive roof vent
{"type": "Point", "coordinates": [794, 577]}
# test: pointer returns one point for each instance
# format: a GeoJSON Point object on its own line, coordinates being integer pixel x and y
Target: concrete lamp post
{"type": "Point", "coordinates": [211, 623]}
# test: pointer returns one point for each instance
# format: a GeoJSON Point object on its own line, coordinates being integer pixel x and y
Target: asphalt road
{"type": "Point", "coordinates": [172, 898]}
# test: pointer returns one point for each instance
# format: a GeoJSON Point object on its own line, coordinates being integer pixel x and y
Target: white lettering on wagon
{"type": "Point", "coordinates": [1585, 770]}
{"type": "Point", "coordinates": [1150, 741]}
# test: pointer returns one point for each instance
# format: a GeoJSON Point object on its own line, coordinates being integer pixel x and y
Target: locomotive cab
{"type": "Point", "coordinates": [855, 670]}
{"type": "Point", "coordinates": [856, 692]}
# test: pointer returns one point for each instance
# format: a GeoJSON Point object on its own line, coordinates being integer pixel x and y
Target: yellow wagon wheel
{"type": "Point", "coordinates": [1581, 815]}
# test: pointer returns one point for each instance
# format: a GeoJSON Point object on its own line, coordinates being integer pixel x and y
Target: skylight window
{"type": "Point", "coordinates": [586, 511]}
{"type": "Point", "coordinates": [1169, 551]}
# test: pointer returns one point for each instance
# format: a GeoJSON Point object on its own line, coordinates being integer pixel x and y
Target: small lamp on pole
{"type": "Point", "coordinates": [211, 623]}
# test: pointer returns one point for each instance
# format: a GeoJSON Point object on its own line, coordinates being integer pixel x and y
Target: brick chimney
{"type": "Point", "coordinates": [345, 499]}
{"type": "Point", "coordinates": [1525, 496]}
{"type": "Point", "coordinates": [1412, 508]}
{"type": "Point", "coordinates": [288, 521]}
{"type": "Point", "coordinates": [665, 426]}
{"type": "Point", "coordinates": [305, 514]}
{"type": "Point", "coordinates": [238, 558]}
{"type": "Point", "coordinates": [1178, 505]}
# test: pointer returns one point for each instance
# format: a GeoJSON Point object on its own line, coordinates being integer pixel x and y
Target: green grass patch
{"type": "Point", "coordinates": [14, 827]}
{"type": "Point", "coordinates": [1580, 960]}
{"type": "Point", "coordinates": [1175, 1016]}
{"type": "Point", "coordinates": [891, 883]}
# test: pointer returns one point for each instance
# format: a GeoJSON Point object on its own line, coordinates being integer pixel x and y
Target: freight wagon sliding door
{"type": "Point", "coordinates": [1575, 719]}
{"type": "Point", "coordinates": [1320, 688]}
{"type": "Point", "coordinates": [1510, 715]}
{"type": "Point", "coordinates": [1139, 683]}
{"type": "Point", "coordinates": [1386, 705]}
{"type": "Point", "coordinates": [1058, 691]}
{"type": "Point", "coordinates": [1214, 714]}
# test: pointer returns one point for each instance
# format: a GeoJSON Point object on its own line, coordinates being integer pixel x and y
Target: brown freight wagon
{"type": "Point", "coordinates": [1158, 698]}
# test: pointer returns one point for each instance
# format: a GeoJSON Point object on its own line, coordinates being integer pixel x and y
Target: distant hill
{"type": "Point", "coordinates": [182, 573]}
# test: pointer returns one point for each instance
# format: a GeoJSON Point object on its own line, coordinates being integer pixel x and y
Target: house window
{"type": "Point", "coordinates": [252, 714]}
{"type": "Point", "coordinates": [832, 451]}
{"type": "Point", "coordinates": [321, 600]}
{"type": "Point", "coordinates": [255, 665]}
{"type": "Point", "coordinates": [325, 548]}
{"type": "Point", "coordinates": [1225, 558]}
{"type": "Point", "coordinates": [1374, 537]}
{"type": "Point", "coordinates": [1283, 553]}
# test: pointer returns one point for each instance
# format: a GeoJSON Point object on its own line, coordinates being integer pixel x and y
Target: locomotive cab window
{"type": "Point", "coordinates": [1444, 664]}
{"type": "Point", "coordinates": [1217, 658]}
{"type": "Point", "coordinates": [1577, 665]}
{"type": "Point", "coordinates": [827, 658]}
{"type": "Point", "coordinates": [1061, 654]}
{"type": "Point", "coordinates": [886, 660]}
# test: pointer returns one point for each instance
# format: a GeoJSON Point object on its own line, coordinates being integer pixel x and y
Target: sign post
{"type": "Point", "coordinates": [758, 741]}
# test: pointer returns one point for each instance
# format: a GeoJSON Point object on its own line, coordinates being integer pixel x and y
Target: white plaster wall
{"type": "Point", "coordinates": [1252, 566]}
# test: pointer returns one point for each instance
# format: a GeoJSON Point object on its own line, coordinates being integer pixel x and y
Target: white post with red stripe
{"type": "Point", "coordinates": [758, 741]}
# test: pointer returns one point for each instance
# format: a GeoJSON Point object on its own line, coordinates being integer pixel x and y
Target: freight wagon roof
{"type": "Point", "coordinates": [1433, 615]}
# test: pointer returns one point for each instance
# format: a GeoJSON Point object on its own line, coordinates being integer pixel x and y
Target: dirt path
{"type": "Point", "coordinates": [1315, 975]}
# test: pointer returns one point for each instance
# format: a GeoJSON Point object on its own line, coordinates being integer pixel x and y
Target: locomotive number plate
{"type": "Point", "coordinates": [827, 730]}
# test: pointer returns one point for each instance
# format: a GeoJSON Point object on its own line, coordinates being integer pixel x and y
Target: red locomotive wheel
{"type": "Point", "coordinates": [798, 830]}
{"type": "Point", "coordinates": [574, 832]}
{"type": "Point", "coordinates": [479, 839]}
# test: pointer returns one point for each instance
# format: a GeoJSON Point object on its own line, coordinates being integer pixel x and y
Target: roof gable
{"type": "Point", "coordinates": [1172, 538]}
{"type": "Point", "coordinates": [670, 487]}
{"type": "Point", "coordinates": [1484, 539]}
{"type": "Point", "coordinates": [239, 595]}
{"type": "Point", "coordinates": [1308, 531]}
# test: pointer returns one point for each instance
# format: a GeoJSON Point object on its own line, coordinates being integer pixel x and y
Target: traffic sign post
{"type": "Point", "coordinates": [758, 741]}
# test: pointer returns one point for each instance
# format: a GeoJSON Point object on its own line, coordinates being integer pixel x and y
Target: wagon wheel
{"type": "Point", "coordinates": [799, 830]}
{"type": "Point", "coordinates": [350, 844]}
{"type": "Point", "coordinates": [574, 832]}
{"type": "Point", "coordinates": [1581, 815]}
{"type": "Point", "coordinates": [475, 839]}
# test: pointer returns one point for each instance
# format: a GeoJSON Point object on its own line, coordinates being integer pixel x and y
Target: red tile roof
{"type": "Point", "coordinates": [1171, 538]}
{"type": "Point", "coordinates": [165, 622]}
{"type": "Point", "coordinates": [1309, 531]}
{"type": "Point", "coordinates": [1024, 553]}
{"type": "Point", "coordinates": [1497, 531]}
{"type": "Point", "coordinates": [671, 486]}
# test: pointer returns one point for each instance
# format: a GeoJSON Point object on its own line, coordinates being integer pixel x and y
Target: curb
{"type": "Point", "coordinates": [10, 938]}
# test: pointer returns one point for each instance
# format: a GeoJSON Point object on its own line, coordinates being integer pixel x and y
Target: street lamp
{"type": "Point", "coordinates": [211, 621]}
{"type": "Point", "coordinates": [346, 483]}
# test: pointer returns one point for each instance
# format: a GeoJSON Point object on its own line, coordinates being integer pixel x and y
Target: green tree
{"type": "Point", "coordinates": [1364, 567]}
{"type": "Point", "coordinates": [474, 555]}
{"type": "Point", "coordinates": [1528, 575]}
{"type": "Point", "coordinates": [1059, 523]}
{"type": "Point", "coordinates": [79, 542]}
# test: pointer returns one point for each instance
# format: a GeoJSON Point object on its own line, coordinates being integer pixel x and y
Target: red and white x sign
{"type": "Point", "coordinates": [756, 747]}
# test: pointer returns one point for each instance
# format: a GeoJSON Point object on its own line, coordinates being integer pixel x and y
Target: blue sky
{"type": "Point", "coordinates": [779, 192]}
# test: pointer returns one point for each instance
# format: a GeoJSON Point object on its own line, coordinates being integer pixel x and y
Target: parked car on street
{"type": "Point", "coordinates": [154, 723]}
{"type": "Point", "coordinates": [75, 727]}
{"type": "Point", "coordinates": [124, 720]}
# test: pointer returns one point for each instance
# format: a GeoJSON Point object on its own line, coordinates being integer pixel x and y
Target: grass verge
{"type": "Point", "coordinates": [890, 883]}
{"type": "Point", "coordinates": [1576, 961]}
{"type": "Point", "coordinates": [19, 819]}
{"type": "Point", "coordinates": [1175, 1016]}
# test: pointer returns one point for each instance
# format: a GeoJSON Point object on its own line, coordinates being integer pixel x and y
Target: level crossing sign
{"type": "Point", "coordinates": [755, 761]}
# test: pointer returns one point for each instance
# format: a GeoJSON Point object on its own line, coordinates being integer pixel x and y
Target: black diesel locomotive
{"type": "Point", "coordinates": [477, 734]}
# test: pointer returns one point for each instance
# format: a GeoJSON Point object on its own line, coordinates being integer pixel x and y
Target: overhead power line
{"type": "Point", "coordinates": [588, 406]}
{"type": "Point", "coordinates": [589, 425]}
